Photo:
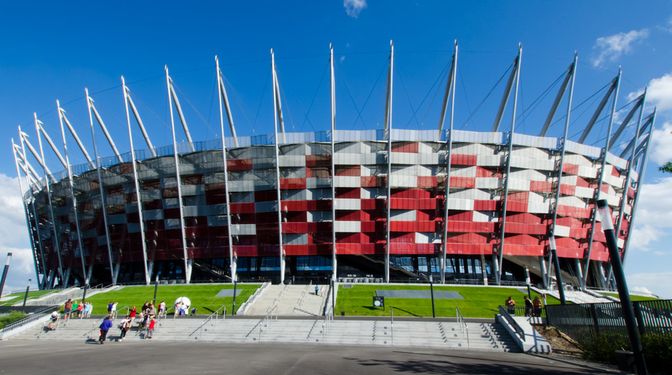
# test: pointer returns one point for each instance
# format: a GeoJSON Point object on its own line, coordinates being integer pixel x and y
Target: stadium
{"type": "Point", "coordinates": [368, 205]}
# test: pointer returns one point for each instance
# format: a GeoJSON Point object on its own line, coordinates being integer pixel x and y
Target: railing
{"type": "Point", "coordinates": [252, 298]}
{"type": "Point", "coordinates": [31, 317]}
{"type": "Point", "coordinates": [512, 322]}
{"type": "Point", "coordinates": [579, 320]}
{"type": "Point", "coordinates": [462, 323]}
{"type": "Point", "coordinates": [215, 315]}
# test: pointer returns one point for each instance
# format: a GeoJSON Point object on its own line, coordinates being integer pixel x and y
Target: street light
{"type": "Point", "coordinates": [431, 290]}
{"type": "Point", "coordinates": [25, 297]}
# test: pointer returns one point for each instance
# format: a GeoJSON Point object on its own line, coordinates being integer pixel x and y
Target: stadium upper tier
{"type": "Point", "coordinates": [418, 177]}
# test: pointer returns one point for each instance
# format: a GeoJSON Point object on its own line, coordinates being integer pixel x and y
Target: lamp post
{"type": "Point", "coordinates": [25, 297]}
{"type": "Point", "coordinates": [431, 291]}
{"type": "Point", "coordinates": [86, 286]}
{"type": "Point", "coordinates": [622, 285]}
{"type": "Point", "coordinates": [235, 286]}
{"type": "Point", "coordinates": [5, 271]}
{"type": "Point", "coordinates": [156, 288]}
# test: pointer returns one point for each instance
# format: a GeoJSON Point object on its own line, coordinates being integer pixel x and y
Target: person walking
{"type": "Point", "coordinates": [114, 310]}
{"type": "Point", "coordinates": [528, 306]}
{"type": "Point", "coordinates": [67, 309]}
{"type": "Point", "coordinates": [104, 328]}
{"type": "Point", "coordinates": [162, 309]}
{"type": "Point", "coordinates": [124, 327]}
{"type": "Point", "coordinates": [537, 306]}
{"type": "Point", "coordinates": [510, 305]}
{"type": "Point", "coordinates": [150, 327]}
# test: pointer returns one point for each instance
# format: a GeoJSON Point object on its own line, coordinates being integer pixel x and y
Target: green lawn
{"type": "Point", "coordinates": [203, 297]}
{"type": "Point", "coordinates": [12, 317]}
{"type": "Point", "coordinates": [478, 302]}
{"type": "Point", "coordinates": [18, 297]}
{"type": "Point", "coordinates": [633, 297]}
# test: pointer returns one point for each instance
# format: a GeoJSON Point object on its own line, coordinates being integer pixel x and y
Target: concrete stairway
{"type": "Point", "coordinates": [289, 300]}
{"type": "Point", "coordinates": [435, 334]}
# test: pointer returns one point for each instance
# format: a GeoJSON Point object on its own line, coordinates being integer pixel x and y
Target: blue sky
{"type": "Point", "coordinates": [52, 51]}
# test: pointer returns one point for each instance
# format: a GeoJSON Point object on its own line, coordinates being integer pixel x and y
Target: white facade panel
{"type": "Point", "coordinates": [533, 141]}
{"type": "Point", "coordinates": [243, 229]}
{"type": "Point", "coordinates": [561, 231]}
{"type": "Point", "coordinates": [477, 137]}
{"type": "Point", "coordinates": [347, 226]}
{"type": "Point", "coordinates": [577, 148]}
{"type": "Point", "coordinates": [347, 181]}
{"type": "Point", "coordinates": [403, 181]}
{"type": "Point", "coordinates": [572, 202]}
{"type": "Point", "coordinates": [488, 160]}
{"type": "Point", "coordinates": [403, 215]}
{"type": "Point", "coordinates": [347, 204]}
{"type": "Point", "coordinates": [487, 182]}
{"type": "Point", "coordinates": [471, 194]}
{"type": "Point", "coordinates": [460, 204]}
{"type": "Point", "coordinates": [615, 160]}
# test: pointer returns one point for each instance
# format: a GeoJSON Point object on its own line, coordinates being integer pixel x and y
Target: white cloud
{"type": "Point", "coordinates": [609, 48]}
{"type": "Point", "coordinates": [659, 92]}
{"type": "Point", "coordinates": [660, 283]}
{"type": "Point", "coordinates": [354, 7]}
{"type": "Point", "coordinates": [661, 148]}
{"type": "Point", "coordinates": [654, 214]}
{"type": "Point", "coordinates": [14, 235]}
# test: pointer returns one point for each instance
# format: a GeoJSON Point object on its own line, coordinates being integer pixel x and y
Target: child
{"type": "Point", "coordinates": [162, 309]}
{"type": "Point", "coordinates": [150, 328]}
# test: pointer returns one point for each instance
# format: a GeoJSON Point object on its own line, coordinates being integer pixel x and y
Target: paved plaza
{"type": "Point", "coordinates": [148, 357]}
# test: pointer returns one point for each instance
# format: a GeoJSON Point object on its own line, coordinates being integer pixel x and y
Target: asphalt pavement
{"type": "Point", "coordinates": [148, 357]}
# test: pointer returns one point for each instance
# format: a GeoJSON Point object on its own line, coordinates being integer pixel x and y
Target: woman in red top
{"type": "Point", "coordinates": [132, 312]}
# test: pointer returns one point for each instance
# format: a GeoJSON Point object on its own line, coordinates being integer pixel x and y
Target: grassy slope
{"type": "Point", "coordinates": [478, 302]}
{"type": "Point", "coordinates": [18, 297]}
{"type": "Point", "coordinates": [203, 297]}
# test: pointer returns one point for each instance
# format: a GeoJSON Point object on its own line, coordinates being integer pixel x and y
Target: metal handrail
{"type": "Point", "coordinates": [462, 323]}
{"type": "Point", "coordinates": [516, 327]}
{"type": "Point", "coordinates": [29, 318]}
{"type": "Point", "coordinates": [214, 314]}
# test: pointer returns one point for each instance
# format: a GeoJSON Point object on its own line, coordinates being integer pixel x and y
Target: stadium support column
{"type": "Point", "coordinates": [138, 193]}
{"type": "Point", "coordinates": [29, 226]}
{"type": "Point", "coordinates": [278, 121]}
{"type": "Point", "coordinates": [223, 99]}
{"type": "Point", "coordinates": [616, 88]}
{"type": "Point", "coordinates": [450, 94]}
{"type": "Point", "coordinates": [515, 77]}
{"type": "Point", "coordinates": [388, 137]}
{"type": "Point", "coordinates": [640, 179]}
{"type": "Point", "coordinates": [63, 278]}
{"type": "Point", "coordinates": [552, 253]}
{"type": "Point", "coordinates": [628, 175]}
{"type": "Point", "coordinates": [176, 158]}
{"type": "Point", "coordinates": [101, 183]}
{"type": "Point", "coordinates": [332, 92]}
{"type": "Point", "coordinates": [72, 195]}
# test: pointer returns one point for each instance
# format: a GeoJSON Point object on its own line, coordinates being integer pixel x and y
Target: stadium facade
{"type": "Point", "coordinates": [378, 205]}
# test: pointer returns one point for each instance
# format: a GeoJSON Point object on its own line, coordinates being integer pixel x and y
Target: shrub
{"type": "Point", "coordinates": [657, 349]}
{"type": "Point", "coordinates": [12, 317]}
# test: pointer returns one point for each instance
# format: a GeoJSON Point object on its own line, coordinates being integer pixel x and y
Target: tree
{"type": "Point", "coordinates": [667, 167]}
